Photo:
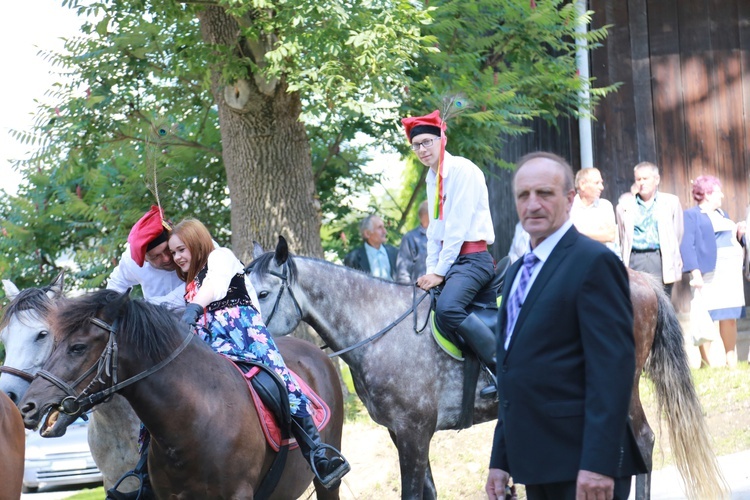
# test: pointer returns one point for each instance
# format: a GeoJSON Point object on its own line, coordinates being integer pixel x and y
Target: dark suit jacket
{"type": "Point", "coordinates": [357, 259]}
{"type": "Point", "coordinates": [566, 379]}
{"type": "Point", "coordinates": [698, 245]}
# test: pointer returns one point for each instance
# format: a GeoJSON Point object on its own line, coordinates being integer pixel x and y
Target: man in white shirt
{"type": "Point", "coordinates": [148, 262]}
{"type": "Point", "coordinates": [459, 231]}
{"type": "Point", "coordinates": [591, 214]}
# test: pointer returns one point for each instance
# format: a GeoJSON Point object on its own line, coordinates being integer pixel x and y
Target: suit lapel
{"type": "Point", "coordinates": [364, 262]}
{"type": "Point", "coordinates": [558, 255]}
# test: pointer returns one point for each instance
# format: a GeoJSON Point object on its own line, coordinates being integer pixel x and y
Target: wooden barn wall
{"type": "Point", "coordinates": [684, 69]}
{"type": "Point", "coordinates": [561, 139]}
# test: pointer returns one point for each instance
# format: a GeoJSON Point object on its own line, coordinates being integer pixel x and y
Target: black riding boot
{"type": "Point", "coordinates": [329, 471]}
{"type": "Point", "coordinates": [483, 343]}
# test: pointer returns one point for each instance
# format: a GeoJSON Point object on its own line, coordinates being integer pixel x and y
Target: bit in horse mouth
{"type": "Point", "coordinates": [50, 422]}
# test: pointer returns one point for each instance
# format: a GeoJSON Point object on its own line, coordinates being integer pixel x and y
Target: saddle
{"type": "Point", "coordinates": [485, 306]}
{"type": "Point", "coordinates": [272, 404]}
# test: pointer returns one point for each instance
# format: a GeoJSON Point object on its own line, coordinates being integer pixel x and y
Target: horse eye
{"type": "Point", "coordinates": [262, 295]}
{"type": "Point", "coordinates": [41, 335]}
{"type": "Point", "coordinates": [77, 348]}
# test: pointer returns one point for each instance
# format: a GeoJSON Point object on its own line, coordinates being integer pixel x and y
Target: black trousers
{"type": "Point", "coordinates": [566, 490]}
{"type": "Point", "coordinates": [465, 278]}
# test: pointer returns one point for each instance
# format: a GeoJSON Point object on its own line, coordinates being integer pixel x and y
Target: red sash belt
{"type": "Point", "coordinates": [473, 247]}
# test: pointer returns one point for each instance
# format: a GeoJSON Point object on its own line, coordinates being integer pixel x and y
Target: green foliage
{"type": "Point", "coordinates": [134, 97]}
{"type": "Point", "coordinates": [508, 62]}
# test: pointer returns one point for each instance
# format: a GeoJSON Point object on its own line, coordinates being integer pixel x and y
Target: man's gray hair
{"type": "Point", "coordinates": [422, 209]}
{"type": "Point", "coordinates": [567, 169]}
{"type": "Point", "coordinates": [647, 164]}
{"type": "Point", "coordinates": [366, 224]}
{"type": "Point", "coordinates": [584, 174]}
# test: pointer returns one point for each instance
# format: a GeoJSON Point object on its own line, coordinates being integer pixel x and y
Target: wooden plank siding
{"type": "Point", "coordinates": [683, 103]}
{"type": "Point", "coordinates": [684, 100]}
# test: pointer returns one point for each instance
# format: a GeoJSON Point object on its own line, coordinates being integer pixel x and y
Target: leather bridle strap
{"type": "Point", "coordinates": [385, 330]}
{"type": "Point", "coordinates": [283, 276]}
{"type": "Point", "coordinates": [18, 373]}
{"type": "Point", "coordinates": [107, 363]}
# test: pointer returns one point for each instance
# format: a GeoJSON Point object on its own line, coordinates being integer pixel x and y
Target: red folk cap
{"type": "Point", "coordinates": [148, 232]}
{"type": "Point", "coordinates": [428, 124]}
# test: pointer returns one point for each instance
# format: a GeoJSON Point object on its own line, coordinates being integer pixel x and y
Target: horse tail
{"type": "Point", "coordinates": [678, 403]}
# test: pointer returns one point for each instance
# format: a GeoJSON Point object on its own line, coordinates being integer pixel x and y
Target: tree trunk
{"type": "Point", "coordinates": [266, 153]}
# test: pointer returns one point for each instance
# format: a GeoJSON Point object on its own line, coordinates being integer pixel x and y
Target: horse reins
{"type": "Point", "coordinates": [18, 373]}
{"type": "Point", "coordinates": [284, 277]}
{"type": "Point", "coordinates": [107, 364]}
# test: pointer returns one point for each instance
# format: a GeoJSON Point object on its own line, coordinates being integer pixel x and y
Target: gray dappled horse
{"type": "Point", "coordinates": [413, 388]}
{"type": "Point", "coordinates": [113, 430]}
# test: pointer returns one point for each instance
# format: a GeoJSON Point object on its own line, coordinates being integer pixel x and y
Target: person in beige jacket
{"type": "Point", "coordinates": [650, 228]}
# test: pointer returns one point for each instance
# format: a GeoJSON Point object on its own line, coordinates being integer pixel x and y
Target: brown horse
{"type": "Point", "coordinates": [12, 446]}
{"type": "Point", "coordinates": [413, 388]}
{"type": "Point", "coordinates": [206, 439]}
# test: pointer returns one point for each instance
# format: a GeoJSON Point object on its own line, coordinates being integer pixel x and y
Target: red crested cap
{"type": "Point", "coordinates": [148, 232]}
{"type": "Point", "coordinates": [416, 125]}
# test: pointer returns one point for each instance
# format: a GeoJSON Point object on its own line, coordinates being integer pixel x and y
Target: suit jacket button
{"type": "Point", "coordinates": [506, 403]}
{"type": "Point", "coordinates": [505, 368]}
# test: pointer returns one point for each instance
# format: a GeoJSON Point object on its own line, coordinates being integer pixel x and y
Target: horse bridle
{"type": "Point", "coordinates": [284, 277]}
{"type": "Point", "coordinates": [106, 365]}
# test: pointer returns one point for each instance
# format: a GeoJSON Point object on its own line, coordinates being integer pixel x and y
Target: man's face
{"type": "Point", "coordinates": [542, 202]}
{"type": "Point", "coordinates": [428, 155]}
{"type": "Point", "coordinates": [376, 235]}
{"type": "Point", "coordinates": [160, 257]}
{"type": "Point", "coordinates": [591, 186]}
{"type": "Point", "coordinates": [647, 182]}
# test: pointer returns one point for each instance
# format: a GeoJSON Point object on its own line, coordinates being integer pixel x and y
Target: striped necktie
{"type": "Point", "coordinates": [516, 299]}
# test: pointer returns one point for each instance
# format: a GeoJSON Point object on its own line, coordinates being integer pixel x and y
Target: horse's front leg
{"type": "Point", "coordinates": [413, 445]}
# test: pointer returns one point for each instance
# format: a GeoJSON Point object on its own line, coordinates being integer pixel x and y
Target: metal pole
{"type": "Point", "coordinates": [582, 62]}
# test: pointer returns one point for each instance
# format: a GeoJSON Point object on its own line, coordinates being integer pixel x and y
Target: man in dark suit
{"type": "Point", "coordinates": [375, 256]}
{"type": "Point", "coordinates": [566, 356]}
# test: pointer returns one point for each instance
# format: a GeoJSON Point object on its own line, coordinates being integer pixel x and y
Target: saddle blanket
{"type": "Point", "coordinates": [321, 413]}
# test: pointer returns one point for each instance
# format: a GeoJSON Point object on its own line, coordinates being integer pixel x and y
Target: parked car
{"type": "Point", "coordinates": [60, 461]}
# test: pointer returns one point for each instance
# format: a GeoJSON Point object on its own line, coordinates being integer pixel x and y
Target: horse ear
{"type": "Point", "coordinates": [281, 254]}
{"type": "Point", "coordinates": [257, 250]}
{"type": "Point", "coordinates": [56, 286]}
{"type": "Point", "coordinates": [11, 290]}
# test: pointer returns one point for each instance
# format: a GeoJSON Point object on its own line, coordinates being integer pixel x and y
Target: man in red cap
{"type": "Point", "coordinates": [458, 233]}
{"type": "Point", "coordinates": [148, 262]}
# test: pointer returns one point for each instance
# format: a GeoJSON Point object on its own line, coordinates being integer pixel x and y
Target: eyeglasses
{"type": "Point", "coordinates": [426, 143]}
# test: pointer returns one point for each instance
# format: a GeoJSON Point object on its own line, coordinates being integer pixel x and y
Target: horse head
{"type": "Point", "coordinates": [24, 331]}
{"type": "Point", "coordinates": [274, 276]}
{"type": "Point", "coordinates": [71, 369]}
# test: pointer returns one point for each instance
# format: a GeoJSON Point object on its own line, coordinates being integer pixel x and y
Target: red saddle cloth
{"type": "Point", "coordinates": [321, 414]}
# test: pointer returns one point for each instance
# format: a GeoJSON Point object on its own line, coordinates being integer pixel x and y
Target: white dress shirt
{"type": "Point", "coordinates": [466, 213]}
{"type": "Point", "coordinates": [159, 286]}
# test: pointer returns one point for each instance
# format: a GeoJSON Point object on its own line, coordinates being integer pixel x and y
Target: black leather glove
{"type": "Point", "coordinates": [192, 312]}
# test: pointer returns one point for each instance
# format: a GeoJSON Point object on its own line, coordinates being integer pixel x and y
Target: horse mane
{"type": "Point", "coordinates": [29, 299]}
{"type": "Point", "coordinates": [263, 264]}
{"type": "Point", "coordinates": [151, 330]}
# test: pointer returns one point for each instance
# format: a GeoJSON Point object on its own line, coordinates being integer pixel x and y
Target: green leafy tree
{"type": "Point", "coordinates": [250, 112]}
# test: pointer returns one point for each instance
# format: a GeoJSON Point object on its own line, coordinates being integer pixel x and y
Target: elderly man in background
{"type": "Point", "coordinates": [412, 254]}
{"type": "Point", "coordinates": [651, 229]}
{"type": "Point", "coordinates": [591, 214]}
{"type": "Point", "coordinates": [375, 256]}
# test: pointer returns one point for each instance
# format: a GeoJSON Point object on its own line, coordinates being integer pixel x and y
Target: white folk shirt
{"type": "Point", "coordinates": [466, 213]}
{"type": "Point", "coordinates": [159, 286]}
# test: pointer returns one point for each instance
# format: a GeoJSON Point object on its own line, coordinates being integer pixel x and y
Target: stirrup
{"type": "Point", "coordinates": [138, 494]}
{"type": "Point", "coordinates": [489, 392]}
{"type": "Point", "coordinates": [333, 478]}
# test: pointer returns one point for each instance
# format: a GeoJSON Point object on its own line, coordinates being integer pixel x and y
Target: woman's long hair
{"type": "Point", "coordinates": [197, 239]}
